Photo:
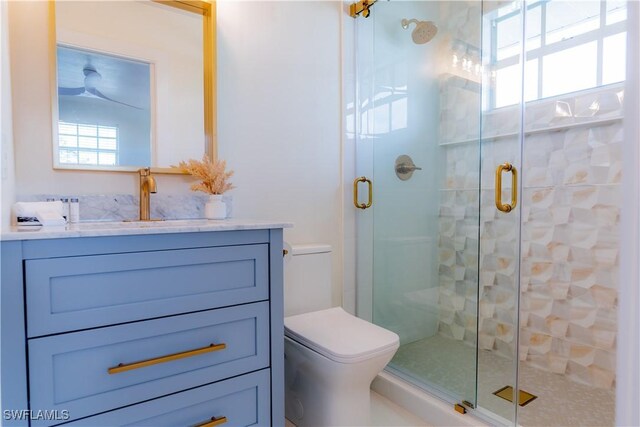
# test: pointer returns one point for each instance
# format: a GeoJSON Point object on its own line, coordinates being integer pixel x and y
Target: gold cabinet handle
{"type": "Point", "coordinates": [212, 422]}
{"type": "Point", "coordinates": [508, 167]}
{"type": "Point", "coordinates": [355, 193]}
{"type": "Point", "coordinates": [122, 367]}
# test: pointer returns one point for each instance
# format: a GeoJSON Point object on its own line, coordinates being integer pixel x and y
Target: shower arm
{"type": "Point", "coordinates": [405, 22]}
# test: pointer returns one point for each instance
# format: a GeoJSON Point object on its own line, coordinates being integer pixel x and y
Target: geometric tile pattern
{"type": "Point", "coordinates": [570, 253]}
{"type": "Point", "coordinates": [569, 242]}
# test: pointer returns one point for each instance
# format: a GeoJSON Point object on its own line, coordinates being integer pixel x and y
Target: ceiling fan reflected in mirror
{"type": "Point", "coordinates": [92, 79]}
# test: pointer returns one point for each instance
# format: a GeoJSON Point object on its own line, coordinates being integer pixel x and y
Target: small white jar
{"type": "Point", "coordinates": [215, 208]}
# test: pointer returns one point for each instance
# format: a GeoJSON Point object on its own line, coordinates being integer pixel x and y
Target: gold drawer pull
{"type": "Point", "coordinates": [355, 193]}
{"type": "Point", "coordinates": [212, 422]}
{"type": "Point", "coordinates": [508, 167]}
{"type": "Point", "coordinates": [122, 367]}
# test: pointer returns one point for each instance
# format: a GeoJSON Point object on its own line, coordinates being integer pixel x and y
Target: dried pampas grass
{"type": "Point", "coordinates": [215, 180]}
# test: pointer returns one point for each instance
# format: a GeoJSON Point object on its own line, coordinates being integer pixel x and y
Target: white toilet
{"type": "Point", "coordinates": [331, 357]}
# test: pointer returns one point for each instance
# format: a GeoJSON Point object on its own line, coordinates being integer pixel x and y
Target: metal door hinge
{"type": "Point", "coordinates": [468, 404]}
{"type": "Point", "coordinates": [361, 8]}
{"type": "Point", "coordinates": [462, 407]}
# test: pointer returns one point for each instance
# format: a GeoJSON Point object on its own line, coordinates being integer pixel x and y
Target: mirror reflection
{"type": "Point", "coordinates": [104, 116]}
{"type": "Point", "coordinates": [130, 84]}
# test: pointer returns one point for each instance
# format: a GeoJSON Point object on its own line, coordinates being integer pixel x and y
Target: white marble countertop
{"type": "Point", "coordinates": [119, 228]}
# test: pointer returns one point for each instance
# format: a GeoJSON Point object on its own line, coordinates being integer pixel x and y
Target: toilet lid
{"type": "Point", "coordinates": [340, 336]}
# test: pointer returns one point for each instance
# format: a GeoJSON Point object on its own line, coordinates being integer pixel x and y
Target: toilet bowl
{"type": "Point", "coordinates": [331, 358]}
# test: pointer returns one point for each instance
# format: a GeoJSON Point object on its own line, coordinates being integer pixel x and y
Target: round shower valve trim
{"type": "Point", "coordinates": [405, 167]}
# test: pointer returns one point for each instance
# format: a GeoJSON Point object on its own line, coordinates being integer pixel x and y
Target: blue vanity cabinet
{"type": "Point", "coordinates": [72, 293]}
{"type": "Point", "coordinates": [162, 329]}
{"type": "Point", "coordinates": [233, 399]}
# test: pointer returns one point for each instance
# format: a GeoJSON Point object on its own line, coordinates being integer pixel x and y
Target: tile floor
{"type": "Point", "coordinates": [450, 364]}
{"type": "Point", "coordinates": [385, 413]}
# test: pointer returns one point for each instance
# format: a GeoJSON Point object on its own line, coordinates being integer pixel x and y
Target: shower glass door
{"type": "Point", "coordinates": [500, 209]}
{"type": "Point", "coordinates": [437, 262]}
{"type": "Point", "coordinates": [419, 142]}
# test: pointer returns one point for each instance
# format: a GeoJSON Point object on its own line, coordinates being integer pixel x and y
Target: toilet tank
{"type": "Point", "coordinates": [307, 278]}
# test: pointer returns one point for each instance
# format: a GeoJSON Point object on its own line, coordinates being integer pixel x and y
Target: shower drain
{"type": "Point", "coordinates": [524, 397]}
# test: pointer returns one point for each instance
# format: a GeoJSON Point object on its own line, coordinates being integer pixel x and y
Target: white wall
{"type": "Point", "coordinates": [628, 352]}
{"type": "Point", "coordinates": [279, 85]}
{"type": "Point", "coordinates": [279, 115]}
{"type": "Point", "coordinates": [6, 133]}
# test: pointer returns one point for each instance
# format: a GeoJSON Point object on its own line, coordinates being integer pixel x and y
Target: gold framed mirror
{"type": "Point", "coordinates": [133, 84]}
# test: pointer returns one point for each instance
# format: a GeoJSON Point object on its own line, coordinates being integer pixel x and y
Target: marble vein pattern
{"type": "Point", "coordinates": [117, 207]}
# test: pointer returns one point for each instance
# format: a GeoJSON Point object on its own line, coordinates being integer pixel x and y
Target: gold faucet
{"type": "Point", "coordinates": [147, 186]}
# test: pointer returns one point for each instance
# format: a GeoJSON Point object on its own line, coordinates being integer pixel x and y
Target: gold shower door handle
{"type": "Point", "coordinates": [506, 167]}
{"type": "Point", "coordinates": [355, 193]}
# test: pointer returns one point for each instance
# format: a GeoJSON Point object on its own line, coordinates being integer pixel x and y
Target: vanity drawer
{"type": "Point", "coordinates": [72, 293]}
{"type": "Point", "coordinates": [244, 401]}
{"type": "Point", "coordinates": [71, 371]}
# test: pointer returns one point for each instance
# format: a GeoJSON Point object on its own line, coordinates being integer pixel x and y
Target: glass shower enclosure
{"type": "Point", "coordinates": [491, 132]}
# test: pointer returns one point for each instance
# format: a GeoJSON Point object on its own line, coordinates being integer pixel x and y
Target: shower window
{"type": "Point", "coordinates": [571, 46]}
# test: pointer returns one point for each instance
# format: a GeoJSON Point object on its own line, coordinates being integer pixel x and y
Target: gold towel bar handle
{"type": "Point", "coordinates": [122, 367]}
{"type": "Point", "coordinates": [212, 422]}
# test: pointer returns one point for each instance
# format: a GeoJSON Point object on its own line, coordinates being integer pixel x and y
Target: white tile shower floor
{"type": "Point", "coordinates": [450, 364]}
{"type": "Point", "coordinates": [385, 413]}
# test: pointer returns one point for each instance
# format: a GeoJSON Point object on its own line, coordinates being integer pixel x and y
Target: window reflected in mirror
{"type": "Point", "coordinates": [104, 109]}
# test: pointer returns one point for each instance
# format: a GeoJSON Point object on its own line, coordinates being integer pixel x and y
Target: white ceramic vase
{"type": "Point", "coordinates": [215, 208]}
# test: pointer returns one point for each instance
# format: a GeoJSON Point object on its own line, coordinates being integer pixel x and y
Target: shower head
{"type": "Point", "coordinates": [424, 31]}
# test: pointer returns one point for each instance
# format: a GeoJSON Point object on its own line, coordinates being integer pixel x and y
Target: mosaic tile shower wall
{"type": "Point", "coordinates": [570, 215]}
